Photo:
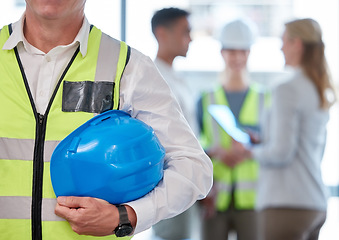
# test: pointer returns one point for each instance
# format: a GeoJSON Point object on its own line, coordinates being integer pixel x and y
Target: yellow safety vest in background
{"type": "Point", "coordinates": [243, 176]}
{"type": "Point", "coordinates": [27, 138]}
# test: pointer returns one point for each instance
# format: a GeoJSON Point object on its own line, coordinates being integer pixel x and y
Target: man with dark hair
{"type": "Point", "coordinates": [171, 28]}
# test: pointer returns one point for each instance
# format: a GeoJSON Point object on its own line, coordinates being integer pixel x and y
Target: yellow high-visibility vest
{"type": "Point", "coordinates": [243, 176]}
{"type": "Point", "coordinates": [27, 138]}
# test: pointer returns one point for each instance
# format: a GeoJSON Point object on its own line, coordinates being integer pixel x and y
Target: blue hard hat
{"type": "Point", "coordinates": [112, 156]}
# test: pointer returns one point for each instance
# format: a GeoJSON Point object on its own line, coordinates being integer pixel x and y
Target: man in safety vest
{"type": "Point", "coordinates": [230, 205]}
{"type": "Point", "coordinates": [56, 72]}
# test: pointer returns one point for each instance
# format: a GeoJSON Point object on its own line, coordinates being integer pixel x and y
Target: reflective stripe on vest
{"type": "Point", "coordinates": [10, 149]}
{"type": "Point", "coordinates": [244, 175]}
{"type": "Point", "coordinates": [27, 139]}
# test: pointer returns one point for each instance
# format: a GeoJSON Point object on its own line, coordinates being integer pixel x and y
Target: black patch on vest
{"type": "Point", "coordinates": [87, 96]}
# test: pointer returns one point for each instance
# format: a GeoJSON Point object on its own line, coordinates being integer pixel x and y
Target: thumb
{"type": "Point", "coordinates": [71, 202]}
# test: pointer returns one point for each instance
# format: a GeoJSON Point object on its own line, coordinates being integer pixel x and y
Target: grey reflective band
{"type": "Point", "coordinates": [22, 149]}
{"type": "Point", "coordinates": [16, 149]}
{"type": "Point", "coordinates": [246, 185]}
{"type": "Point", "coordinates": [20, 208]}
{"type": "Point", "coordinates": [108, 56]}
{"type": "Point", "coordinates": [221, 186]}
{"type": "Point", "coordinates": [49, 148]}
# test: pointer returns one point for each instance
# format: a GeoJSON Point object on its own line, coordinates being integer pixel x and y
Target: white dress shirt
{"type": "Point", "coordinates": [146, 96]}
{"type": "Point", "coordinates": [182, 92]}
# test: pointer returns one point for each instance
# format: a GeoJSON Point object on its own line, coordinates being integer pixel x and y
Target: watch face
{"type": "Point", "coordinates": [124, 230]}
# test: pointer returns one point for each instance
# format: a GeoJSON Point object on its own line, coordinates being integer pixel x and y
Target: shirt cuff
{"type": "Point", "coordinates": [144, 209]}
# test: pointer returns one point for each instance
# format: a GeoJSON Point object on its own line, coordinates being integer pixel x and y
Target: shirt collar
{"type": "Point", "coordinates": [82, 37]}
{"type": "Point", "coordinates": [17, 36]}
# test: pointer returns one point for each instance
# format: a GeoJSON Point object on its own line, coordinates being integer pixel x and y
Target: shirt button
{"type": "Point", "coordinates": [48, 58]}
{"type": "Point", "coordinates": [41, 93]}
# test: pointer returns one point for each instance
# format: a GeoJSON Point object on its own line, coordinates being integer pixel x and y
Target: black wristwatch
{"type": "Point", "coordinates": [125, 227]}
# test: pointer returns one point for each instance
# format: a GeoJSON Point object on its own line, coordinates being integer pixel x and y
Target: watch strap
{"type": "Point", "coordinates": [123, 215]}
{"type": "Point", "coordinates": [124, 227]}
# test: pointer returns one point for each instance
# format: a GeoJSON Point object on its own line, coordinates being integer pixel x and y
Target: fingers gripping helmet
{"type": "Point", "coordinates": [112, 156]}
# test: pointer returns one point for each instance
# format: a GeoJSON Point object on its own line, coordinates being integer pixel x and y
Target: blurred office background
{"type": "Point", "coordinates": [129, 20]}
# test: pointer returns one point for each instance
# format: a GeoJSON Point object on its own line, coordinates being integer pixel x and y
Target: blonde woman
{"type": "Point", "coordinates": [291, 195]}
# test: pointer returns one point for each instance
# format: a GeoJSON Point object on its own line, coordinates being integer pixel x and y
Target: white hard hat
{"type": "Point", "coordinates": [238, 34]}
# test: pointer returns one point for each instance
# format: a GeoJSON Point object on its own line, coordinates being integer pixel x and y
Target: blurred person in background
{"type": "Point", "coordinates": [230, 205]}
{"type": "Point", "coordinates": [171, 29]}
{"type": "Point", "coordinates": [291, 195]}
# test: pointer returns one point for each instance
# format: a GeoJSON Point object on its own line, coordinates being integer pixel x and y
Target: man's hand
{"type": "Point", "coordinates": [90, 216]}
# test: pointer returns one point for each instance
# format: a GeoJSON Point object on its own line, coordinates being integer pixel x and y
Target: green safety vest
{"type": "Point", "coordinates": [27, 138]}
{"type": "Point", "coordinates": [243, 176]}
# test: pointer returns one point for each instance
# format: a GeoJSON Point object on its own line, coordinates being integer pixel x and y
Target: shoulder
{"type": "Point", "coordinates": [291, 84]}
{"type": "Point", "coordinates": [135, 54]}
{"type": "Point", "coordinates": [298, 92]}
{"type": "Point", "coordinates": [285, 94]}
{"type": "Point", "coordinates": [298, 84]}
{"type": "Point", "coordinates": [140, 62]}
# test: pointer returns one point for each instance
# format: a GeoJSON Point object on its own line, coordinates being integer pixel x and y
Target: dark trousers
{"type": "Point", "coordinates": [291, 224]}
{"type": "Point", "coordinates": [243, 222]}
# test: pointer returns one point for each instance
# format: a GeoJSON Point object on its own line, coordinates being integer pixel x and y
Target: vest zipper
{"type": "Point", "coordinates": [38, 156]}
{"type": "Point", "coordinates": [38, 168]}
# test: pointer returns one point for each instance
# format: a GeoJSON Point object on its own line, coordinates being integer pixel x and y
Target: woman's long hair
{"type": "Point", "coordinates": [313, 61]}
